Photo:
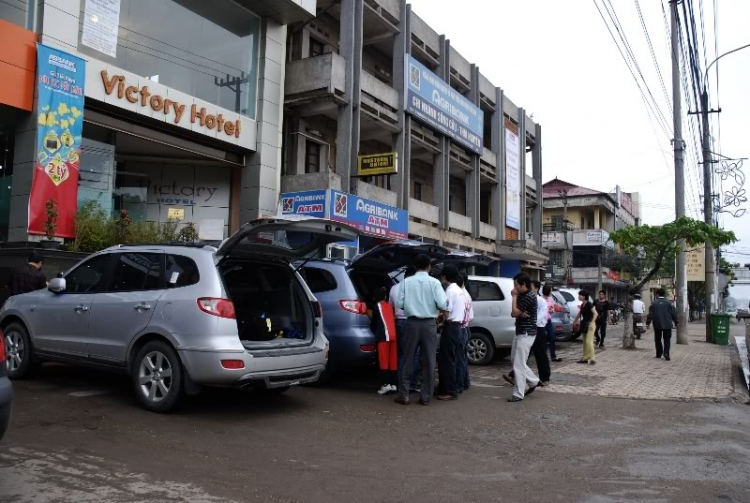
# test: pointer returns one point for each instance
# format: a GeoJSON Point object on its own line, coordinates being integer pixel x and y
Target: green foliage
{"type": "Point", "coordinates": [96, 230]}
{"type": "Point", "coordinates": [50, 224]}
{"type": "Point", "coordinates": [654, 246]}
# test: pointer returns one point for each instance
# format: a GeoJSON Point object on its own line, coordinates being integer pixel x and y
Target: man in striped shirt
{"type": "Point", "coordinates": [525, 313]}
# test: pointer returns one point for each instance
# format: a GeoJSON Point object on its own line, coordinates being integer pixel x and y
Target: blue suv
{"type": "Point", "coordinates": [345, 290]}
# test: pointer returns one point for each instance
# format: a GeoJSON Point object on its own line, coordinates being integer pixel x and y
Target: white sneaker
{"type": "Point", "coordinates": [384, 389]}
{"type": "Point", "coordinates": [393, 388]}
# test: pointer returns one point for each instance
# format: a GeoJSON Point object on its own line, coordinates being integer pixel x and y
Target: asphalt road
{"type": "Point", "coordinates": [78, 435]}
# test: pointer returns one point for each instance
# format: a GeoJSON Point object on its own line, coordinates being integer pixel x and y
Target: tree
{"type": "Point", "coordinates": [653, 245]}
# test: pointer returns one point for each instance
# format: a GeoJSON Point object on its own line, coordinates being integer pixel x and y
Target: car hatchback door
{"type": "Point", "coordinates": [125, 308]}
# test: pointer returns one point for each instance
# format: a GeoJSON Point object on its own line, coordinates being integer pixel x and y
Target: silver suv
{"type": "Point", "coordinates": [178, 317]}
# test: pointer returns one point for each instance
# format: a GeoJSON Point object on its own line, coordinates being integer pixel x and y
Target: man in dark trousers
{"type": "Point", "coordinates": [603, 307]}
{"type": "Point", "coordinates": [539, 348]}
{"type": "Point", "coordinates": [663, 314]}
{"type": "Point", "coordinates": [28, 278]}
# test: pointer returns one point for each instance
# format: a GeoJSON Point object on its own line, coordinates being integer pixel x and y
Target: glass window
{"type": "Point", "coordinates": [88, 277]}
{"type": "Point", "coordinates": [485, 290]}
{"type": "Point", "coordinates": [181, 271]}
{"type": "Point", "coordinates": [316, 48]}
{"type": "Point", "coordinates": [319, 280]}
{"type": "Point", "coordinates": [568, 297]}
{"type": "Point", "coordinates": [312, 157]}
{"type": "Point", "coordinates": [417, 191]}
{"type": "Point", "coordinates": [205, 49]}
{"type": "Point", "coordinates": [137, 271]}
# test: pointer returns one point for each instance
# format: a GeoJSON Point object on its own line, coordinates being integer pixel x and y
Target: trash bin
{"type": "Point", "coordinates": [720, 328]}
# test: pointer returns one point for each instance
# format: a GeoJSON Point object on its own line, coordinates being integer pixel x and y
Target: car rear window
{"type": "Point", "coordinates": [181, 271]}
{"type": "Point", "coordinates": [485, 290]}
{"type": "Point", "coordinates": [319, 280]}
{"type": "Point", "coordinates": [567, 296]}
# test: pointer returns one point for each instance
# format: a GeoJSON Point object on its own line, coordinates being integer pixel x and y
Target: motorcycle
{"type": "Point", "coordinates": [639, 328]}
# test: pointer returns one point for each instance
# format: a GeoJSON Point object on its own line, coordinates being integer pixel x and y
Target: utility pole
{"type": "Point", "coordinates": [599, 286]}
{"type": "Point", "coordinates": [708, 215]}
{"type": "Point", "coordinates": [679, 181]}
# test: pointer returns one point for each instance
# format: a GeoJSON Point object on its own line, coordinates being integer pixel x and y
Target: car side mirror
{"type": "Point", "coordinates": [57, 285]}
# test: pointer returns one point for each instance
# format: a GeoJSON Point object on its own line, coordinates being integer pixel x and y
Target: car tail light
{"type": "Point", "coordinates": [558, 328]}
{"type": "Point", "coordinates": [354, 306]}
{"type": "Point", "coordinates": [317, 309]}
{"type": "Point", "coordinates": [222, 308]}
{"type": "Point", "coordinates": [367, 348]}
{"type": "Point", "coordinates": [559, 309]}
{"type": "Point", "coordinates": [3, 355]}
{"type": "Point", "coordinates": [233, 364]}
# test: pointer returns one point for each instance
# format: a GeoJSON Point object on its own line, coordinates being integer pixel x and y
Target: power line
{"type": "Point", "coordinates": [653, 56]}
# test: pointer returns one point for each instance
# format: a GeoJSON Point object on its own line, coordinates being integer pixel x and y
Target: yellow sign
{"type": "Point", "coordinates": [175, 213]}
{"type": "Point", "coordinates": [377, 164]}
{"type": "Point", "coordinates": [695, 259]}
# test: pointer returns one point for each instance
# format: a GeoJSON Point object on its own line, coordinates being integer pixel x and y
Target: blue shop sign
{"type": "Point", "coordinates": [370, 217]}
{"type": "Point", "coordinates": [311, 203]}
{"type": "Point", "coordinates": [436, 103]}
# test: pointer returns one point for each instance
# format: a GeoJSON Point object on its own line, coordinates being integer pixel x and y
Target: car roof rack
{"type": "Point", "coordinates": [198, 244]}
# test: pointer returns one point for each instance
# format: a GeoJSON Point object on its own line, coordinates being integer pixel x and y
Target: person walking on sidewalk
{"type": "Point", "coordinates": [400, 324]}
{"type": "Point", "coordinates": [586, 320]}
{"type": "Point", "coordinates": [663, 315]}
{"type": "Point", "coordinates": [551, 338]}
{"type": "Point", "coordinates": [28, 278]}
{"type": "Point", "coordinates": [462, 370]}
{"type": "Point", "coordinates": [539, 348]}
{"type": "Point", "coordinates": [384, 328]}
{"type": "Point", "coordinates": [422, 298]}
{"type": "Point", "coordinates": [602, 315]}
{"type": "Point", "coordinates": [450, 340]}
{"type": "Point", "coordinates": [524, 311]}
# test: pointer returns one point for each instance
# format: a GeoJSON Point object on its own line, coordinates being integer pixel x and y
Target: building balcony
{"type": "Point", "coordinates": [314, 79]}
{"type": "Point", "coordinates": [379, 101]}
{"type": "Point", "coordinates": [423, 211]}
{"type": "Point", "coordinates": [487, 231]}
{"type": "Point", "coordinates": [310, 181]}
{"type": "Point", "coordinates": [459, 222]}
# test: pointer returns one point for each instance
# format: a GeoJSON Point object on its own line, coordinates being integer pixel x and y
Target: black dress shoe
{"type": "Point", "coordinates": [402, 401]}
{"type": "Point", "coordinates": [531, 390]}
{"type": "Point", "coordinates": [509, 379]}
{"type": "Point", "coordinates": [515, 399]}
{"type": "Point", "coordinates": [422, 402]}
{"type": "Point", "coordinates": [666, 358]}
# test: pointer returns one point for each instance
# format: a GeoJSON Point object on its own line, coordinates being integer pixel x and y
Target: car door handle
{"type": "Point", "coordinates": [80, 309]}
{"type": "Point", "coordinates": [145, 307]}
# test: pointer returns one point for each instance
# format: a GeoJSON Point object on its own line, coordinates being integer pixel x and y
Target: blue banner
{"type": "Point", "coordinates": [433, 101]}
{"type": "Point", "coordinates": [54, 191]}
{"type": "Point", "coordinates": [370, 217]}
{"type": "Point", "coordinates": [311, 203]}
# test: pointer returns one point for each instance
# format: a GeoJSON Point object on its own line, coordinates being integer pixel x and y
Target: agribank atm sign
{"type": "Point", "coordinates": [370, 217]}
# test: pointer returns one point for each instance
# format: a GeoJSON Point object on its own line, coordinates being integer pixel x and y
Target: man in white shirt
{"type": "Point", "coordinates": [639, 309]}
{"type": "Point", "coordinates": [450, 339]}
{"type": "Point", "coordinates": [539, 348]}
{"type": "Point", "coordinates": [400, 324]}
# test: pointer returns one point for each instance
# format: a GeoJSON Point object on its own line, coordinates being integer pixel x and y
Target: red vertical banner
{"type": "Point", "coordinates": [60, 91]}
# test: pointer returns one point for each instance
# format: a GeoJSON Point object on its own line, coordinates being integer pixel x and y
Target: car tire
{"type": "Point", "coordinates": [18, 346]}
{"type": "Point", "coordinates": [563, 336]}
{"type": "Point", "coordinates": [480, 350]}
{"type": "Point", "coordinates": [158, 377]}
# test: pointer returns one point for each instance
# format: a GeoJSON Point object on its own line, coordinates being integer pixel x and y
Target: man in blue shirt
{"type": "Point", "coordinates": [421, 298]}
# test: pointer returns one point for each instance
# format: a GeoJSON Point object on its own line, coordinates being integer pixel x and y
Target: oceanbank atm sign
{"type": "Point", "coordinates": [372, 218]}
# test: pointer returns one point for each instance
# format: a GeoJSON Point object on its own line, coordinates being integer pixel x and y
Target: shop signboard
{"type": "Point", "coordinates": [101, 24]}
{"type": "Point", "coordinates": [60, 93]}
{"type": "Point", "coordinates": [377, 164]}
{"type": "Point", "coordinates": [433, 101]}
{"type": "Point", "coordinates": [311, 203]}
{"type": "Point", "coordinates": [512, 177]}
{"type": "Point", "coordinates": [695, 259]}
{"type": "Point", "coordinates": [370, 217]}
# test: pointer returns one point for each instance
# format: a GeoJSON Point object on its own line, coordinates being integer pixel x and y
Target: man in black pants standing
{"type": "Point", "coordinates": [539, 349]}
{"type": "Point", "coordinates": [603, 307]}
{"type": "Point", "coordinates": [663, 314]}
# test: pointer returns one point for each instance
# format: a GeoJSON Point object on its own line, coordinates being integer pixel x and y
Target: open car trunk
{"type": "Point", "coordinates": [271, 307]}
{"type": "Point", "coordinates": [366, 281]}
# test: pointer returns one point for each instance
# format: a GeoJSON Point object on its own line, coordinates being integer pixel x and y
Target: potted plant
{"type": "Point", "coordinates": [188, 234]}
{"type": "Point", "coordinates": [50, 224]}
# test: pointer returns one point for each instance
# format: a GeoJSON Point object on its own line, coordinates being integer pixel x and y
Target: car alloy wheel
{"type": "Point", "coordinates": [155, 376]}
{"type": "Point", "coordinates": [476, 350]}
{"type": "Point", "coordinates": [15, 349]}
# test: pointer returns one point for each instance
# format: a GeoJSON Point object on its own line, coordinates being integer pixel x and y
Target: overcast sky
{"type": "Point", "coordinates": [557, 59]}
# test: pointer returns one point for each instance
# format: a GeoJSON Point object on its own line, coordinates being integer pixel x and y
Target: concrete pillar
{"type": "Point", "coordinates": [522, 169]}
{"type": "Point", "coordinates": [402, 140]}
{"type": "Point", "coordinates": [473, 178]}
{"type": "Point", "coordinates": [498, 148]}
{"type": "Point", "coordinates": [345, 122]}
{"type": "Point", "coordinates": [537, 159]}
{"type": "Point", "coordinates": [597, 221]}
{"type": "Point", "coordinates": [441, 182]}
{"type": "Point", "coordinates": [261, 176]}
{"type": "Point", "coordinates": [356, 91]}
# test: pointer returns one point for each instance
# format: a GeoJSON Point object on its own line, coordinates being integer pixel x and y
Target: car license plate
{"type": "Point", "coordinates": [639, 325]}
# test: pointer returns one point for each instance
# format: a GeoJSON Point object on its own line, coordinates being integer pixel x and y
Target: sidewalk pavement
{"type": "Point", "coordinates": [697, 370]}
